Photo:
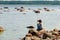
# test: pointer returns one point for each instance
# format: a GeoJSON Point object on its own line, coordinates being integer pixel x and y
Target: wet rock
{"type": "Point", "coordinates": [1, 29]}
{"type": "Point", "coordinates": [36, 11]}
{"type": "Point", "coordinates": [30, 27]}
{"type": "Point", "coordinates": [15, 8]}
{"type": "Point", "coordinates": [22, 10]}
{"type": "Point", "coordinates": [22, 7]}
{"type": "Point", "coordinates": [46, 9]}
{"type": "Point", "coordinates": [5, 7]}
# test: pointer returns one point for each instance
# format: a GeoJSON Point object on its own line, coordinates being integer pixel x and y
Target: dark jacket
{"type": "Point", "coordinates": [39, 27]}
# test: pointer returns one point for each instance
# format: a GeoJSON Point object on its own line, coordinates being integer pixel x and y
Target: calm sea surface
{"type": "Point", "coordinates": [15, 22]}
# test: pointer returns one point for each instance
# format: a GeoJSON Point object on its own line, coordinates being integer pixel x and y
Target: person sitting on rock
{"type": "Point", "coordinates": [39, 25]}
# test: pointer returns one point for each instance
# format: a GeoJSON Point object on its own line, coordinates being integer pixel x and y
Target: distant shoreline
{"type": "Point", "coordinates": [31, 2]}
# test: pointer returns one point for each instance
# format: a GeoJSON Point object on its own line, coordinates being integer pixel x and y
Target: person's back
{"type": "Point", "coordinates": [39, 25]}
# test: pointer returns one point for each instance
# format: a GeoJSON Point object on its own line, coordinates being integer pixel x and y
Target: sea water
{"type": "Point", "coordinates": [15, 22]}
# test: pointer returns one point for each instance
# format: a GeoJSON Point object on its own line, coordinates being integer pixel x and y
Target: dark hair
{"type": "Point", "coordinates": [39, 20]}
